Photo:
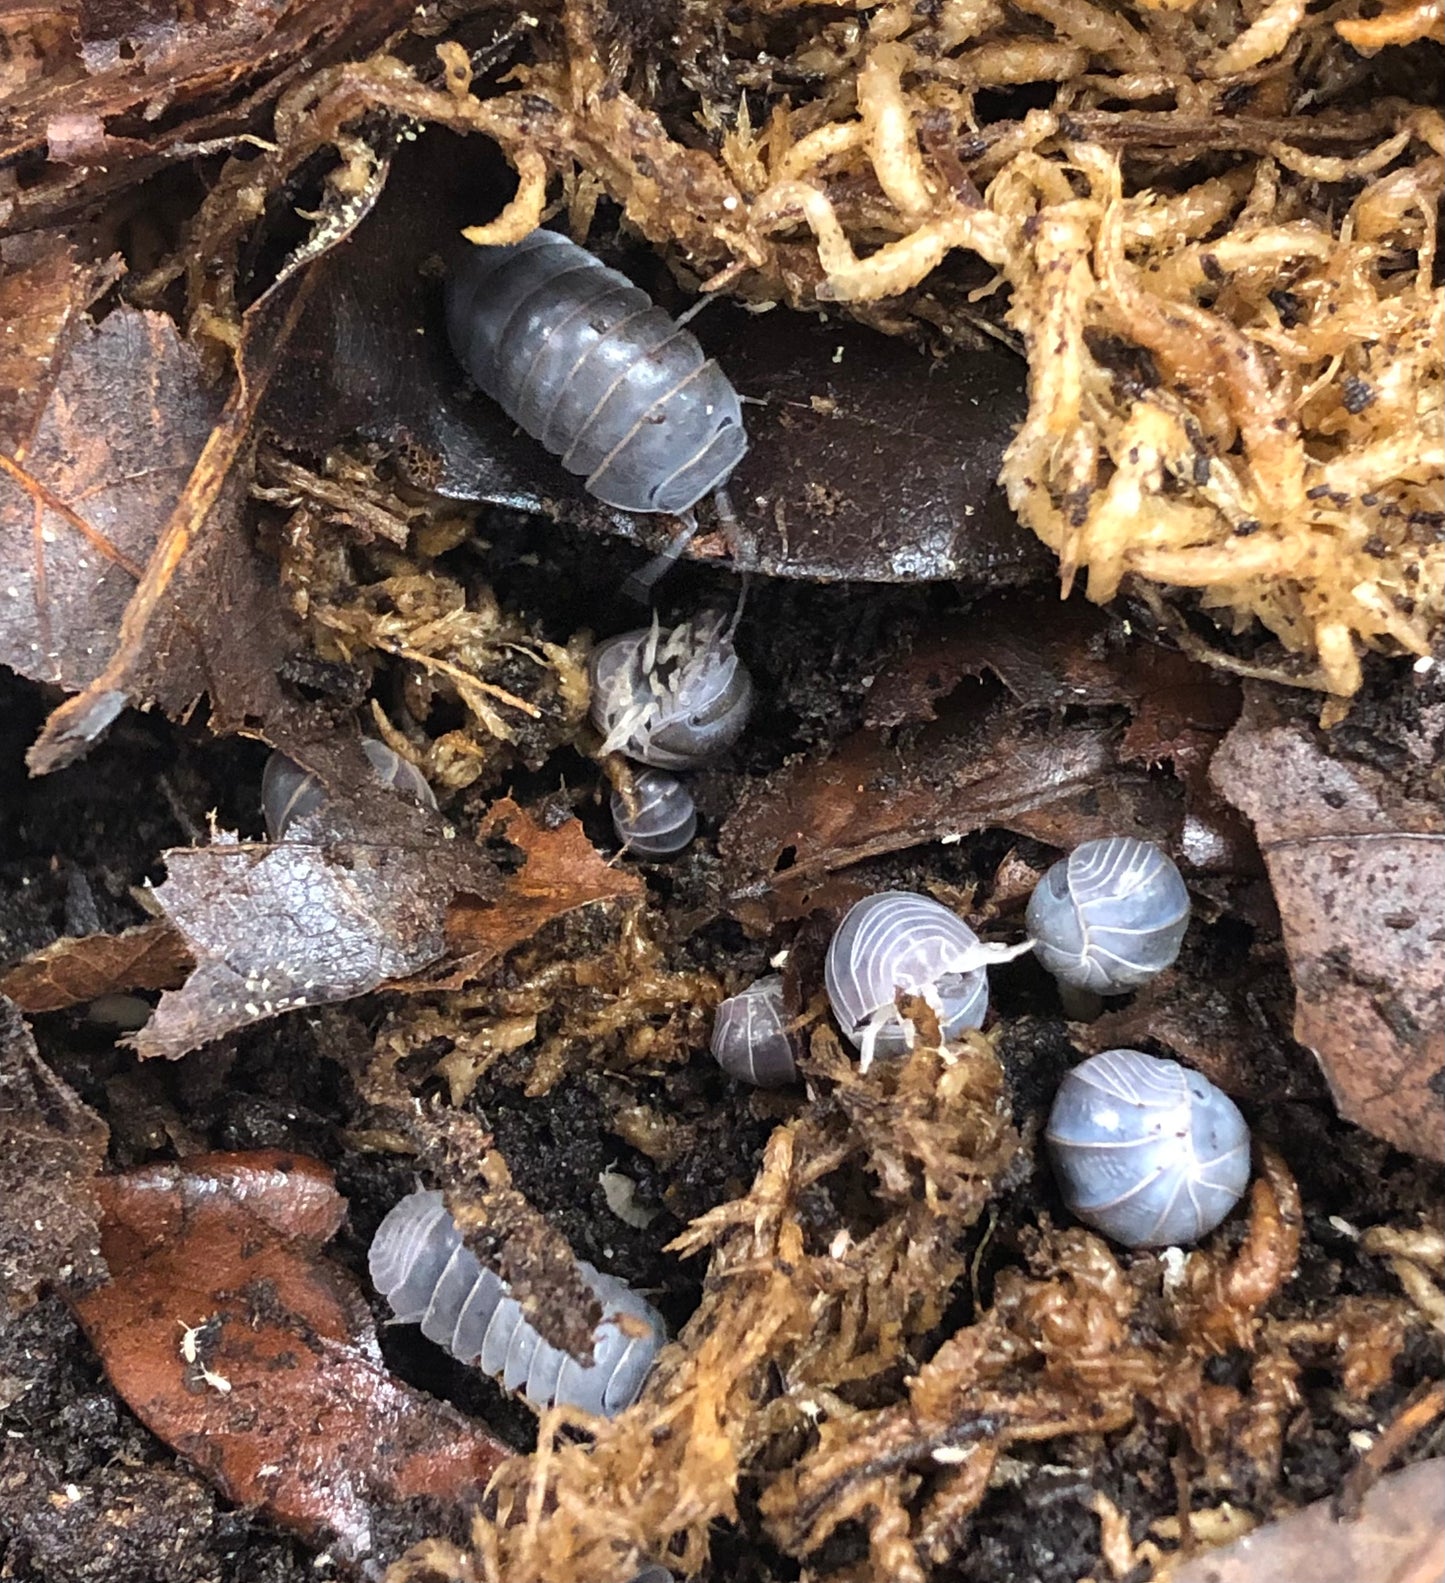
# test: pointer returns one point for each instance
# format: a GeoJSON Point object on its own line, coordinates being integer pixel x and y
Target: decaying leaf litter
{"type": "Point", "coordinates": [1214, 237]}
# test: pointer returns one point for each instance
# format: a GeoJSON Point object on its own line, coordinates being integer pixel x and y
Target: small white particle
{"type": "Point", "coordinates": [1173, 1260]}
{"type": "Point", "coordinates": [252, 1009]}
{"type": "Point", "coordinates": [1424, 665]}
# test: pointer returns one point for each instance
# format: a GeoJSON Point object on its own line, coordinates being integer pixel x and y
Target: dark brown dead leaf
{"type": "Point", "coordinates": [1048, 653]}
{"type": "Point", "coordinates": [83, 99]}
{"type": "Point", "coordinates": [206, 614]}
{"type": "Point", "coordinates": [89, 488]}
{"type": "Point", "coordinates": [562, 871]}
{"type": "Point", "coordinates": [295, 1195]}
{"type": "Point", "coordinates": [73, 970]}
{"type": "Point", "coordinates": [1057, 783]}
{"type": "Point", "coordinates": [53, 1147]}
{"type": "Point", "coordinates": [1359, 876]}
{"type": "Point", "coordinates": [44, 292]}
{"type": "Point", "coordinates": [255, 1358]}
{"type": "Point", "coordinates": [1057, 655]}
{"type": "Point", "coordinates": [867, 461]}
{"type": "Point", "coordinates": [1396, 1539]}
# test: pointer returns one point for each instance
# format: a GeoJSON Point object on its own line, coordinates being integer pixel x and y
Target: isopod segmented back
{"type": "Point", "coordinates": [290, 794]}
{"type": "Point", "coordinates": [662, 819]}
{"type": "Point", "coordinates": [426, 1272]}
{"type": "Point", "coordinates": [897, 941]}
{"type": "Point", "coordinates": [587, 364]}
{"type": "Point", "coordinates": [1145, 1150]}
{"type": "Point", "coordinates": [1109, 916]}
{"type": "Point", "coordinates": [672, 697]}
{"type": "Point", "coordinates": [750, 1037]}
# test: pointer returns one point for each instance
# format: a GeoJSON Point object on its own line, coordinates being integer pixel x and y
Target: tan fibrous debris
{"type": "Point", "coordinates": [604, 996]}
{"type": "Point", "coordinates": [357, 567]}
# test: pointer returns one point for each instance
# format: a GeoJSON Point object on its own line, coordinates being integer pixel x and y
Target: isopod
{"type": "Point", "coordinates": [663, 820]}
{"type": "Point", "coordinates": [1109, 916]}
{"type": "Point", "coordinates": [895, 942]}
{"type": "Point", "coordinates": [1145, 1150]}
{"type": "Point", "coordinates": [587, 364]}
{"type": "Point", "coordinates": [750, 1038]}
{"type": "Point", "coordinates": [289, 793]}
{"type": "Point", "coordinates": [429, 1276]}
{"type": "Point", "coordinates": [671, 697]}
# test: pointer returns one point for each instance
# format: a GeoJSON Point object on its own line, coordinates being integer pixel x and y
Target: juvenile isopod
{"type": "Point", "coordinates": [1109, 916]}
{"type": "Point", "coordinates": [898, 941]}
{"type": "Point", "coordinates": [429, 1276]}
{"type": "Point", "coordinates": [1145, 1150]}
{"type": "Point", "coordinates": [671, 697]}
{"type": "Point", "coordinates": [289, 793]}
{"type": "Point", "coordinates": [663, 818]}
{"type": "Point", "coordinates": [587, 364]}
{"type": "Point", "coordinates": [750, 1038]}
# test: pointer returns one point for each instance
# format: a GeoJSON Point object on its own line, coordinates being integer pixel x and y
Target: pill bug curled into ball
{"type": "Point", "coordinates": [899, 942]}
{"type": "Point", "coordinates": [750, 1037]}
{"type": "Point", "coordinates": [1145, 1150]}
{"type": "Point", "coordinates": [429, 1276]}
{"type": "Point", "coordinates": [662, 818]}
{"type": "Point", "coordinates": [1109, 916]}
{"type": "Point", "coordinates": [592, 368]}
{"type": "Point", "coordinates": [290, 793]}
{"type": "Point", "coordinates": [674, 697]}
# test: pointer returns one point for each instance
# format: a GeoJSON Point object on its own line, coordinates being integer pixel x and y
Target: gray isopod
{"type": "Point", "coordinates": [587, 364]}
{"type": "Point", "coordinates": [429, 1276]}
{"type": "Point", "coordinates": [289, 793]}
{"type": "Point", "coordinates": [898, 941]}
{"type": "Point", "coordinates": [1109, 916]}
{"type": "Point", "coordinates": [671, 697]}
{"type": "Point", "coordinates": [664, 817]}
{"type": "Point", "coordinates": [1145, 1150]}
{"type": "Point", "coordinates": [750, 1038]}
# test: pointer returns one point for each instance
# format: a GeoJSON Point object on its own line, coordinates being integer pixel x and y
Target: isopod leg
{"type": "Point", "coordinates": [742, 549]}
{"type": "Point", "coordinates": [640, 584]}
